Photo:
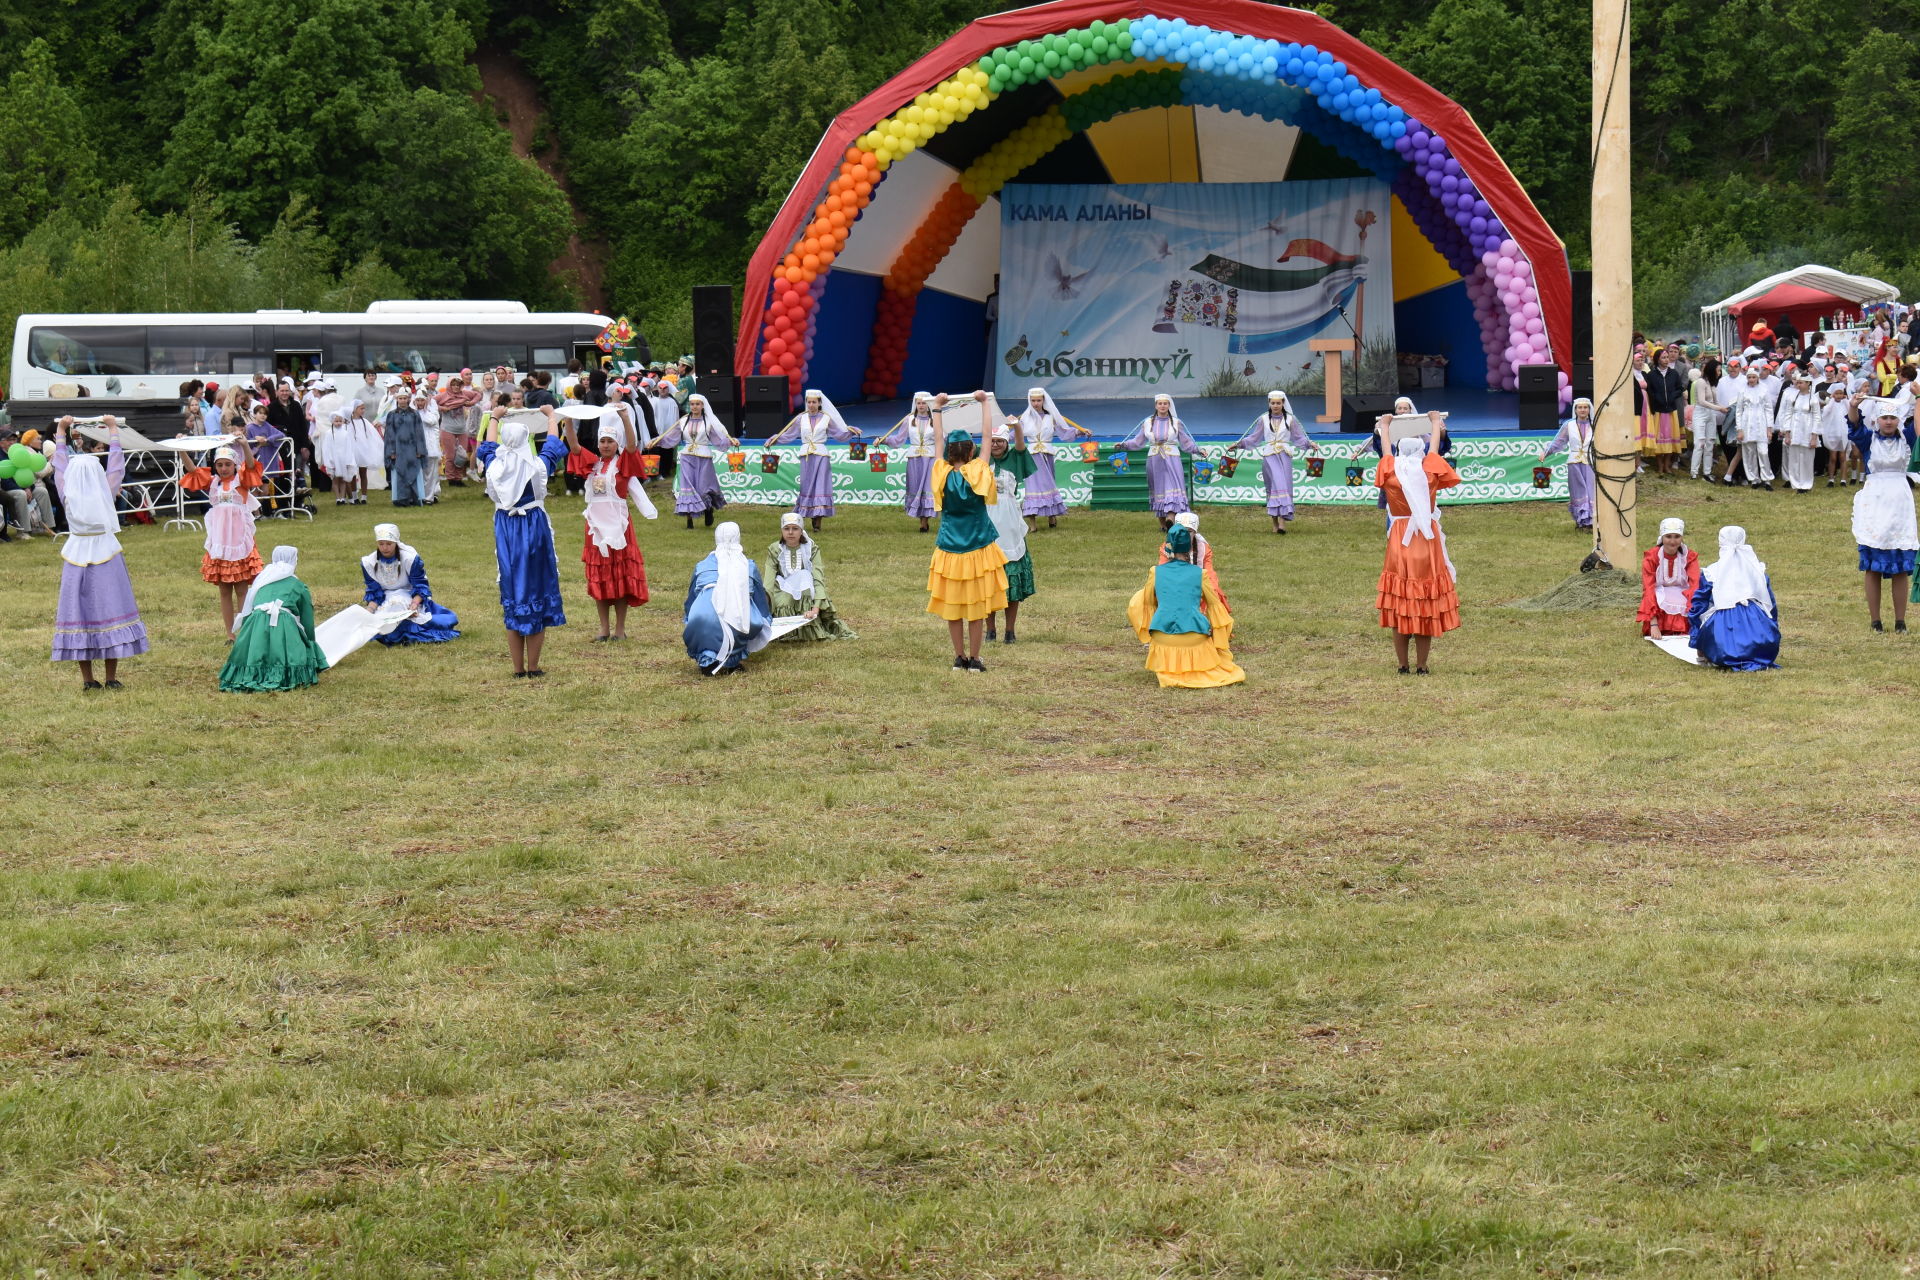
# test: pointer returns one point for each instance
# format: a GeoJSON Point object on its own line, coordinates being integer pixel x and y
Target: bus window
{"type": "Point", "coordinates": [413, 348]}
{"type": "Point", "coordinates": [340, 349]}
{"type": "Point", "coordinates": [89, 350]}
{"type": "Point", "coordinates": [551, 359]}
{"type": "Point", "coordinates": [489, 348]}
{"type": "Point", "coordinates": [200, 349]}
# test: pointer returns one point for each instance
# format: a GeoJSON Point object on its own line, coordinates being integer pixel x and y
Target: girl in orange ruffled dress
{"type": "Point", "coordinates": [231, 561]}
{"type": "Point", "coordinates": [1416, 599]}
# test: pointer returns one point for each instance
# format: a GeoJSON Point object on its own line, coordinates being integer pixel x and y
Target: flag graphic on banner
{"type": "Point", "coordinates": [1264, 308]}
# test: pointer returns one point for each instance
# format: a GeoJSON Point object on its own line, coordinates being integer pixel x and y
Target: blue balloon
{"type": "Point", "coordinates": [1293, 69]}
{"type": "Point", "coordinates": [1340, 69]}
{"type": "Point", "coordinates": [1399, 128]}
{"type": "Point", "coordinates": [1310, 53]}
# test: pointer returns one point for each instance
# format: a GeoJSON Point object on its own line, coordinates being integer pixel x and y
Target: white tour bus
{"type": "Point", "coordinates": [104, 358]}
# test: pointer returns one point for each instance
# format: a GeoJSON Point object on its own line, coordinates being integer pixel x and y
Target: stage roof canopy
{"type": "Point", "coordinates": [897, 210]}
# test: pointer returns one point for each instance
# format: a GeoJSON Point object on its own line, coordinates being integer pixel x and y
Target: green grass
{"type": "Point", "coordinates": [1569, 960]}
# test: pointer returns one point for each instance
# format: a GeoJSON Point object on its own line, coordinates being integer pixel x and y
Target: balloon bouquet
{"type": "Point", "coordinates": [23, 465]}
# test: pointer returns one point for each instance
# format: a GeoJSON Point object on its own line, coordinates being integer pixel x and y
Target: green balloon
{"type": "Point", "coordinates": [1100, 46]}
{"type": "Point", "coordinates": [1051, 58]}
{"type": "Point", "coordinates": [1026, 65]}
{"type": "Point", "coordinates": [41, 461]}
{"type": "Point", "coordinates": [1077, 51]}
{"type": "Point", "coordinates": [6, 468]}
{"type": "Point", "coordinates": [18, 455]}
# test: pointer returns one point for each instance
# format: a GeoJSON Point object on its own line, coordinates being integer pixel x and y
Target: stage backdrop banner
{"type": "Point", "coordinates": [1125, 291]}
{"type": "Point", "coordinates": [1492, 469]}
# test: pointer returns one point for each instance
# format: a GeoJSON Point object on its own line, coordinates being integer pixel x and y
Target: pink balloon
{"type": "Point", "coordinates": [1535, 325]}
{"type": "Point", "coordinates": [1521, 267]}
{"type": "Point", "coordinates": [1509, 249]}
{"type": "Point", "coordinates": [1530, 309]}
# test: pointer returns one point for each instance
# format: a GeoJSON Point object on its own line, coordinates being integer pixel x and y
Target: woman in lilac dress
{"type": "Point", "coordinates": [1043, 426]}
{"type": "Point", "coordinates": [1276, 435]}
{"type": "Point", "coordinates": [1576, 441]}
{"type": "Point", "coordinates": [919, 433]}
{"type": "Point", "coordinates": [696, 489]}
{"type": "Point", "coordinates": [1165, 438]}
{"type": "Point", "coordinates": [815, 424]}
{"type": "Point", "coordinates": [96, 617]}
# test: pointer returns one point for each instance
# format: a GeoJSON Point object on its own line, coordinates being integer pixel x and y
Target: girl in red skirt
{"type": "Point", "coordinates": [231, 561]}
{"type": "Point", "coordinates": [1669, 575]}
{"type": "Point", "coordinates": [616, 574]}
{"type": "Point", "coordinates": [1417, 600]}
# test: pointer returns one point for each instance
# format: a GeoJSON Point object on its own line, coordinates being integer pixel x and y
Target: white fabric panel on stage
{"type": "Point", "coordinates": [1237, 148]}
{"type": "Point", "coordinates": [968, 269]}
{"type": "Point", "coordinates": [901, 203]}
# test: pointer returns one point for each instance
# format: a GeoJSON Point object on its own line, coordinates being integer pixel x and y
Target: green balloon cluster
{"type": "Point", "coordinates": [22, 465]}
{"type": "Point", "coordinates": [1050, 57]}
{"type": "Point", "coordinates": [1124, 93]}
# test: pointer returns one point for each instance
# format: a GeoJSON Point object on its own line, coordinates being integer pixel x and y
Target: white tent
{"type": "Point", "coordinates": [1805, 287]}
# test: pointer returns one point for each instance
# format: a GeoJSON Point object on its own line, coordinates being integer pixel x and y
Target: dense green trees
{"type": "Point", "coordinates": [252, 152]}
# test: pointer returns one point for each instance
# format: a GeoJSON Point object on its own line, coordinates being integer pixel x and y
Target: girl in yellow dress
{"type": "Point", "coordinates": [968, 577]}
{"type": "Point", "coordinates": [1183, 622]}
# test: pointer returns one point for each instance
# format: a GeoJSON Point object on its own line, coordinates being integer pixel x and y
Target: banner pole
{"type": "Point", "coordinates": [1615, 447]}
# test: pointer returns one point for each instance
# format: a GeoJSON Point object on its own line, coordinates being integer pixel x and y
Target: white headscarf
{"type": "Point", "coordinates": [827, 410]}
{"type": "Point", "coordinates": [390, 533]}
{"type": "Point", "coordinates": [1033, 418]}
{"type": "Point", "coordinates": [1286, 406]}
{"type": "Point", "coordinates": [285, 561]}
{"type": "Point", "coordinates": [1738, 576]}
{"type": "Point", "coordinates": [1407, 412]}
{"type": "Point", "coordinates": [732, 585]}
{"type": "Point", "coordinates": [795, 564]}
{"type": "Point", "coordinates": [1410, 469]}
{"type": "Point", "coordinates": [91, 519]}
{"type": "Point", "coordinates": [1173, 414]}
{"type": "Point", "coordinates": [918, 396]}
{"type": "Point", "coordinates": [512, 468]}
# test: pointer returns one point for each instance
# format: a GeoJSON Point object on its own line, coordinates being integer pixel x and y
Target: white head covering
{"type": "Point", "coordinates": [1286, 407]}
{"type": "Point", "coordinates": [386, 533]}
{"type": "Point", "coordinates": [513, 466]}
{"type": "Point", "coordinates": [1406, 412]}
{"type": "Point", "coordinates": [1173, 410]}
{"type": "Point", "coordinates": [918, 396]}
{"type": "Point", "coordinates": [1575, 408]}
{"type": "Point", "coordinates": [793, 566]}
{"type": "Point", "coordinates": [226, 454]}
{"type": "Point", "coordinates": [1738, 575]}
{"type": "Point", "coordinates": [1188, 520]}
{"type": "Point", "coordinates": [1673, 524]}
{"type": "Point", "coordinates": [91, 519]}
{"type": "Point", "coordinates": [1052, 412]}
{"type": "Point", "coordinates": [285, 561]}
{"type": "Point", "coordinates": [1413, 483]}
{"type": "Point", "coordinates": [827, 410]}
{"type": "Point", "coordinates": [732, 585]}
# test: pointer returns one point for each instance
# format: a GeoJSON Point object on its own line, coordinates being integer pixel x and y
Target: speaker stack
{"type": "Point", "coordinates": [1539, 397]}
{"type": "Point", "coordinates": [1359, 413]}
{"type": "Point", "coordinates": [764, 405]}
{"type": "Point", "coordinates": [713, 351]}
{"type": "Point", "coordinates": [1582, 376]}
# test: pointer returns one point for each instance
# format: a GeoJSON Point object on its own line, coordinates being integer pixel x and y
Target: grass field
{"type": "Point", "coordinates": [1568, 960]}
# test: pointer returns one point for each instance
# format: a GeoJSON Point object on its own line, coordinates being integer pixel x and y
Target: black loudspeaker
{"type": "Point", "coordinates": [723, 396]}
{"type": "Point", "coordinates": [1359, 413]}
{"type": "Point", "coordinates": [1539, 397]}
{"type": "Point", "coordinates": [763, 405]}
{"type": "Point", "coordinates": [712, 330]}
{"type": "Point", "coordinates": [1583, 379]}
{"type": "Point", "coordinates": [1583, 322]}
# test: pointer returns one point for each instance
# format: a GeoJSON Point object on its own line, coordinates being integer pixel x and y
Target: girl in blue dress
{"type": "Point", "coordinates": [523, 539]}
{"type": "Point", "coordinates": [395, 571]}
{"type": "Point", "coordinates": [728, 614]}
{"type": "Point", "coordinates": [1734, 621]}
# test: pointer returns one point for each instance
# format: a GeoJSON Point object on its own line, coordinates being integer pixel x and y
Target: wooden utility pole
{"type": "Point", "coordinates": [1612, 238]}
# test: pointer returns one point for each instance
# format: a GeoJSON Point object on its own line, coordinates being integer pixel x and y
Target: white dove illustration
{"type": "Point", "coordinates": [1064, 278]}
{"type": "Point", "coordinates": [1161, 249]}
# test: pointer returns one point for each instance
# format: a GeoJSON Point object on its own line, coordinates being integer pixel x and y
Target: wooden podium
{"type": "Point", "coordinates": [1332, 349]}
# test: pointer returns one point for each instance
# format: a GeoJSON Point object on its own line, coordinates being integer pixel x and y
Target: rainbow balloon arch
{"type": "Point", "coordinates": [1277, 64]}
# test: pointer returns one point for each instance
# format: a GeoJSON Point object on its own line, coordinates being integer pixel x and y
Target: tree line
{"type": "Point", "coordinates": [203, 154]}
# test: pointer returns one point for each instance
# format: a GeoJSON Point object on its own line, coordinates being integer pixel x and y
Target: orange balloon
{"type": "Point", "coordinates": [832, 203]}
{"type": "Point", "coordinates": [798, 275]}
{"type": "Point", "coordinates": [837, 219]}
{"type": "Point", "coordinates": [853, 153]}
{"type": "Point", "coordinates": [863, 189]}
{"type": "Point", "coordinates": [811, 262]}
{"type": "Point", "coordinates": [810, 245]}
{"type": "Point", "coordinates": [870, 160]}
{"type": "Point", "coordinates": [806, 275]}
{"type": "Point", "coordinates": [826, 257]}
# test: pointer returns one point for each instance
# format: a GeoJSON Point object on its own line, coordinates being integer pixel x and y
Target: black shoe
{"type": "Point", "coordinates": [1877, 626]}
{"type": "Point", "coordinates": [1421, 671]}
{"type": "Point", "coordinates": [519, 675]}
{"type": "Point", "coordinates": [1405, 672]}
{"type": "Point", "coordinates": [961, 664]}
{"type": "Point", "coordinates": [1829, 484]}
{"type": "Point", "coordinates": [709, 519]}
{"type": "Point", "coordinates": [1009, 637]}
{"type": "Point", "coordinates": [689, 522]}
{"type": "Point", "coordinates": [1282, 532]}
{"type": "Point", "coordinates": [535, 674]}
{"type": "Point", "coordinates": [1899, 628]}
{"type": "Point", "coordinates": [1727, 480]}
{"type": "Point", "coordinates": [992, 634]}
{"type": "Point", "coordinates": [1768, 486]}
{"type": "Point", "coordinates": [115, 684]}
{"type": "Point", "coordinates": [90, 684]}
{"type": "Point", "coordinates": [974, 664]}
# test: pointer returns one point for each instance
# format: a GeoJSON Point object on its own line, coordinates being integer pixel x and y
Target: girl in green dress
{"type": "Point", "coordinates": [967, 580]}
{"type": "Point", "coordinates": [796, 579]}
{"type": "Point", "coordinates": [273, 646]}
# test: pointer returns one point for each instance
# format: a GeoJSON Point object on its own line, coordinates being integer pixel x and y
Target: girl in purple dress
{"type": "Point", "coordinates": [811, 428]}
{"type": "Point", "coordinates": [1576, 441]}
{"type": "Point", "coordinates": [96, 617]}
{"type": "Point", "coordinates": [1043, 426]}
{"type": "Point", "coordinates": [1277, 435]}
{"type": "Point", "coordinates": [696, 489]}
{"type": "Point", "coordinates": [919, 433]}
{"type": "Point", "coordinates": [1165, 438]}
